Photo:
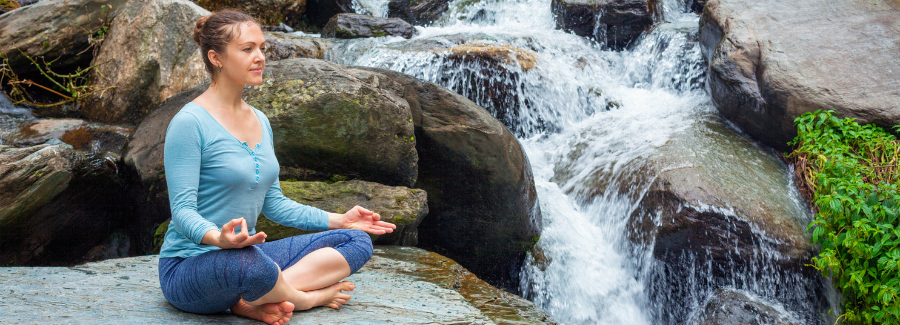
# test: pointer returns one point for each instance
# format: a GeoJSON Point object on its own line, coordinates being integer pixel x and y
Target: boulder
{"type": "Point", "coordinates": [697, 6]}
{"type": "Point", "coordinates": [81, 135]}
{"type": "Point", "coordinates": [771, 61]}
{"type": "Point", "coordinates": [149, 55]}
{"type": "Point", "coordinates": [346, 25]}
{"type": "Point", "coordinates": [483, 206]}
{"type": "Point", "coordinates": [267, 12]}
{"type": "Point", "coordinates": [397, 285]}
{"type": "Point", "coordinates": [57, 204]}
{"type": "Point", "coordinates": [327, 119]}
{"type": "Point", "coordinates": [54, 29]}
{"type": "Point", "coordinates": [282, 46]}
{"type": "Point", "coordinates": [399, 205]}
{"type": "Point", "coordinates": [613, 23]}
{"type": "Point", "coordinates": [724, 201]}
{"type": "Point", "coordinates": [417, 12]}
{"type": "Point", "coordinates": [734, 307]}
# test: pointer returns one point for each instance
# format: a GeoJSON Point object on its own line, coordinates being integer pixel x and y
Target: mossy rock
{"type": "Point", "coordinates": [399, 205]}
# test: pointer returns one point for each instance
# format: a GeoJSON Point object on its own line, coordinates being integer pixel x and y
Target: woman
{"type": "Point", "coordinates": [212, 259]}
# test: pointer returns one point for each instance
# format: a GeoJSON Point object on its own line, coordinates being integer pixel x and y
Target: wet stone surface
{"type": "Point", "coordinates": [392, 288]}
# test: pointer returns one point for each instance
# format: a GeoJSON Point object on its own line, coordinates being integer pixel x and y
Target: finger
{"type": "Point", "coordinates": [228, 227]}
{"type": "Point", "coordinates": [376, 216]}
{"type": "Point", "coordinates": [244, 227]}
{"type": "Point", "coordinates": [385, 224]}
{"type": "Point", "coordinates": [363, 211]}
{"type": "Point", "coordinates": [375, 231]}
{"type": "Point", "coordinates": [256, 239]}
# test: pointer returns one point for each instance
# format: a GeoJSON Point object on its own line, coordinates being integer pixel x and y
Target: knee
{"type": "Point", "coordinates": [357, 249]}
{"type": "Point", "coordinates": [259, 273]}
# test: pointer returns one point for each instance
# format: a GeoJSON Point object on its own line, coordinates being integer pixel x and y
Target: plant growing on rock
{"type": "Point", "coordinates": [71, 87]}
{"type": "Point", "coordinates": [850, 172]}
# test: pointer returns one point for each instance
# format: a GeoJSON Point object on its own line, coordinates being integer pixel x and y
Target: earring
{"type": "Point", "coordinates": [220, 68]}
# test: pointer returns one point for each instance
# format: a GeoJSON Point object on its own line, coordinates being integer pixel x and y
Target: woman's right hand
{"type": "Point", "coordinates": [227, 239]}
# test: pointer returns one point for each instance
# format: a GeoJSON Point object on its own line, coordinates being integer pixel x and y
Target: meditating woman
{"type": "Point", "coordinates": [221, 172]}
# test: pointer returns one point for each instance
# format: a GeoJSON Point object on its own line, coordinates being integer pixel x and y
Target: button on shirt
{"type": "Point", "coordinates": [213, 177]}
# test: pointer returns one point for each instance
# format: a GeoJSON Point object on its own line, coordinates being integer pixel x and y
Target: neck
{"type": "Point", "coordinates": [227, 93]}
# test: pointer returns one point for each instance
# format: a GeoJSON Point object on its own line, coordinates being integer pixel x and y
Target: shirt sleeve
{"type": "Point", "coordinates": [284, 211]}
{"type": "Point", "coordinates": [181, 156]}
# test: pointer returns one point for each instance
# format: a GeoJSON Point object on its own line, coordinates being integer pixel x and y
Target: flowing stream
{"type": "Point", "coordinates": [590, 121]}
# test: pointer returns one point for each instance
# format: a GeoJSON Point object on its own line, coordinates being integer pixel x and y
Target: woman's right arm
{"type": "Point", "coordinates": [181, 156]}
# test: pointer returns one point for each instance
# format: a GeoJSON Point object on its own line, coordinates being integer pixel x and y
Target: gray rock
{"type": "Point", "coordinates": [733, 307]}
{"type": "Point", "coordinates": [281, 46]}
{"type": "Point", "coordinates": [615, 23]}
{"type": "Point", "coordinates": [53, 29]}
{"type": "Point", "coordinates": [417, 12]}
{"type": "Point", "coordinates": [56, 204]}
{"type": "Point", "coordinates": [770, 61]}
{"type": "Point", "coordinates": [327, 119]}
{"type": "Point", "coordinates": [149, 55]}
{"type": "Point", "coordinates": [318, 12]}
{"type": "Point", "coordinates": [32, 133]}
{"type": "Point", "coordinates": [483, 208]}
{"type": "Point", "coordinates": [398, 285]}
{"type": "Point", "coordinates": [399, 205]}
{"type": "Point", "coordinates": [720, 197]}
{"type": "Point", "coordinates": [358, 26]}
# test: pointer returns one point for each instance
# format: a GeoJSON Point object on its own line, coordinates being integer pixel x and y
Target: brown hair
{"type": "Point", "coordinates": [213, 32]}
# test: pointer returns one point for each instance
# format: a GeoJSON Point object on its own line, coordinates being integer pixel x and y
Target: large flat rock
{"type": "Point", "coordinates": [398, 285]}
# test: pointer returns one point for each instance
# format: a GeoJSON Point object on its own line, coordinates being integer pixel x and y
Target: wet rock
{"type": "Point", "coordinates": [399, 205]}
{"type": "Point", "coordinates": [697, 6]}
{"type": "Point", "coordinates": [347, 25]}
{"type": "Point", "coordinates": [417, 12]}
{"type": "Point", "coordinates": [56, 204]}
{"type": "Point", "coordinates": [325, 118]}
{"type": "Point", "coordinates": [37, 132]}
{"type": "Point", "coordinates": [733, 307]}
{"type": "Point", "coordinates": [614, 23]}
{"type": "Point", "coordinates": [282, 46]}
{"type": "Point", "coordinates": [771, 61]}
{"type": "Point", "coordinates": [149, 55]}
{"type": "Point", "coordinates": [53, 29]}
{"type": "Point", "coordinates": [483, 206]}
{"type": "Point", "coordinates": [267, 12]}
{"type": "Point", "coordinates": [398, 285]}
{"type": "Point", "coordinates": [494, 54]}
{"type": "Point", "coordinates": [725, 201]}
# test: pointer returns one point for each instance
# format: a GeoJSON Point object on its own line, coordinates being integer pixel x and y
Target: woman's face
{"type": "Point", "coordinates": [244, 57]}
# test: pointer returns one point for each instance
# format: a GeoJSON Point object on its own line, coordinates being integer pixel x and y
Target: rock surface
{"type": "Point", "coordinates": [56, 204]}
{"type": "Point", "coordinates": [417, 12]}
{"type": "Point", "coordinates": [267, 12]}
{"type": "Point", "coordinates": [615, 23]}
{"type": "Point", "coordinates": [399, 205]}
{"type": "Point", "coordinates": [770, 61]}
{"type": "Point", "coordinates": [481, 196]}
{"type": "Point", "coordinates": [149, 55]}
{"type": "Point", "coordinates": [724, 200]}
{"type": "Point", "coordinates": [325, 118]}
{"type": "Point", "coordinates": [398, 285]}
{"type": "Point", "coordinates": [282, 46]}
{"type": "Point", "coordinates": [733, 307]}
{"type": "Point", "coordinates": [53, 29]}
{"type": "Point", "coordinates": [37, 132]}
{"type": "Point", "coordinates": [347, 25]}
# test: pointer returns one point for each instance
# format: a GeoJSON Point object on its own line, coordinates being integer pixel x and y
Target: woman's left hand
{"type": "Point", "coordinates": [362, 219]}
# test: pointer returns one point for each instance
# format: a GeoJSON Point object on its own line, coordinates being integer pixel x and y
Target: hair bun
{"type": "Point", "coordinates": [198, 28]}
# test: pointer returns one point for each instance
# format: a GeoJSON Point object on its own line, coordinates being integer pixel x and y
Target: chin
{"type": "Point", "coordinates": [255, 81]}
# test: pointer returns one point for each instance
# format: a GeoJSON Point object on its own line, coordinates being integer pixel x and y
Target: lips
{"type": "Point", "coordinates": [256, 70]}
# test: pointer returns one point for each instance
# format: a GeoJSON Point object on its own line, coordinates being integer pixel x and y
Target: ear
{"type": "Point", "coordinates": [214, 58]}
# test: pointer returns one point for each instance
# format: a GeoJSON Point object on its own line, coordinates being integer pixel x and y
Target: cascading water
{"type": "Point", "coordinates": [591, 122]}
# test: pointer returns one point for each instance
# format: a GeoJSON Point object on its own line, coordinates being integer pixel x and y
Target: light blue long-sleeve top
{"type": "Point", "coordinates": [213, 177]}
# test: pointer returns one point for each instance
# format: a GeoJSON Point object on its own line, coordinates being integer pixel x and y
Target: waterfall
{"type": "Point", "coordinates": [591, 121]}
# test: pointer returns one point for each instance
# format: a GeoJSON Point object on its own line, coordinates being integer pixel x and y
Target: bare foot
{"type": "Point", "coordinates": [274, 313]}
{"type": "Point", "coordinates": [332, 296]}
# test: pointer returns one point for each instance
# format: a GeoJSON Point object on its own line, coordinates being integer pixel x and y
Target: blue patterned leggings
{"type": "Point", "coordinates": [216, 280]}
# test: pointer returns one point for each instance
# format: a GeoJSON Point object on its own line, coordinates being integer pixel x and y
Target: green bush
{"type": "Point", "coordinates": [851, 173]}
